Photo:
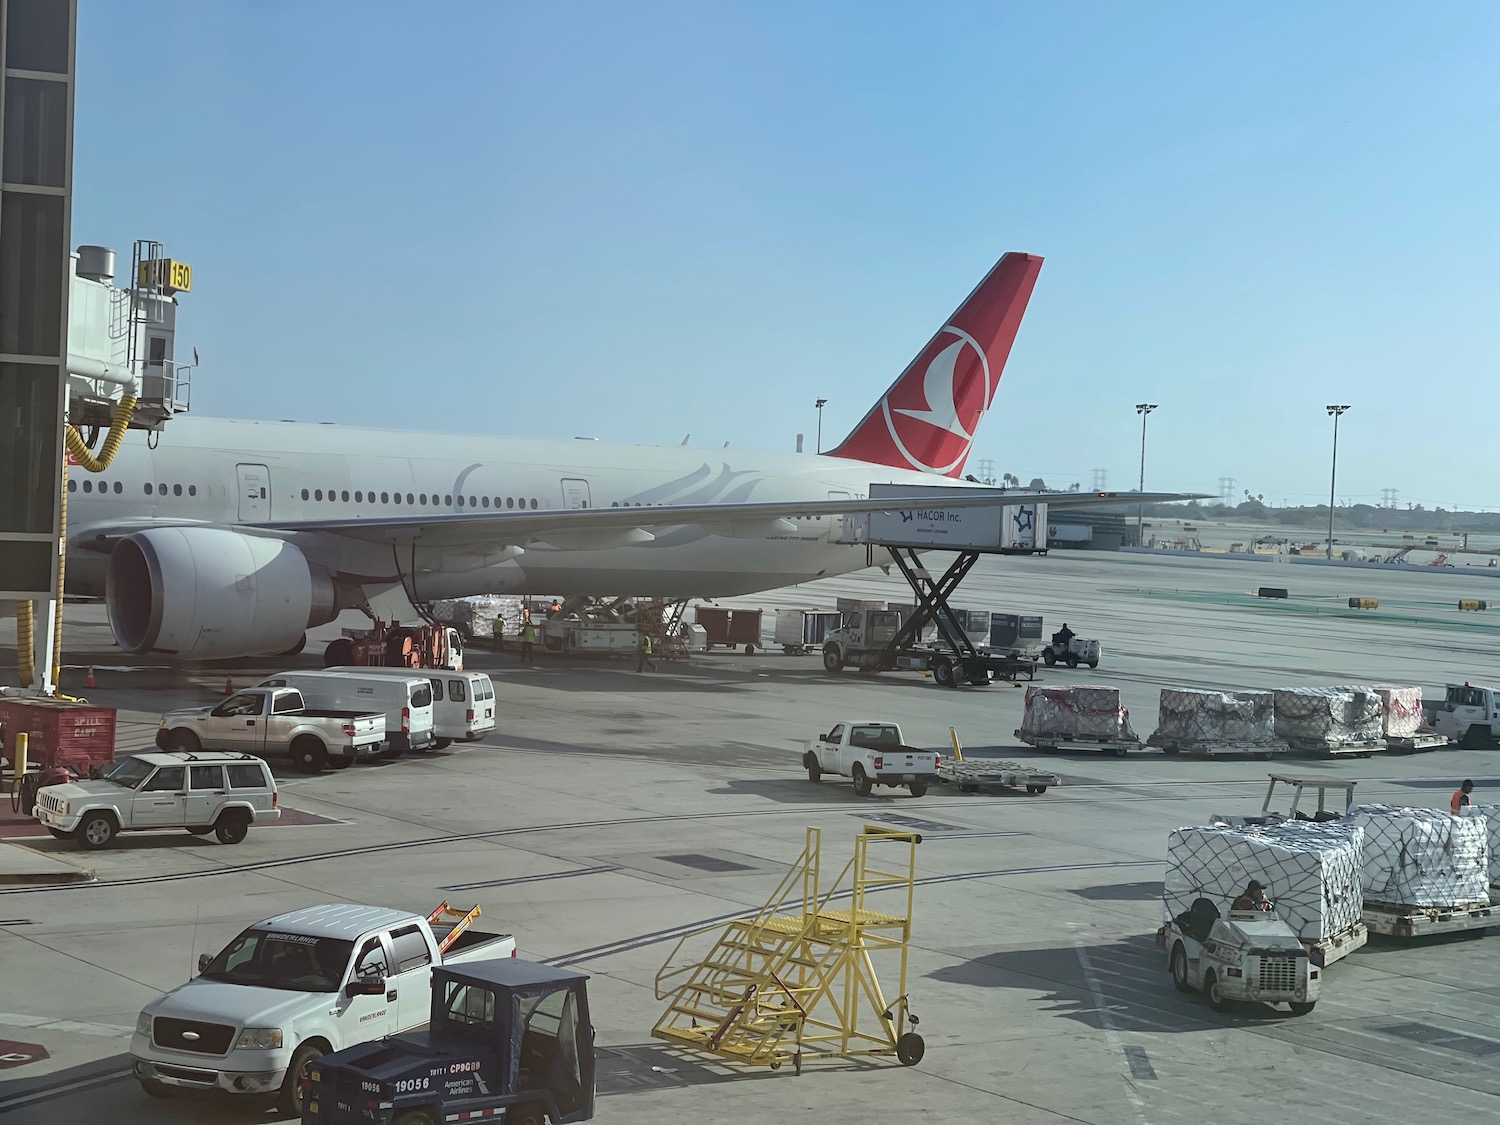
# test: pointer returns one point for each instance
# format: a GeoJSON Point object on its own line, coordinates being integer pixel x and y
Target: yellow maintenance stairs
{"type": "Point", "coordinates": [798, 977]}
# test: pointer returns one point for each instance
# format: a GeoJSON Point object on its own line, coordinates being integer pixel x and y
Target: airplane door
{"type": "Point", "coordinates": [575, 493]}
{"type": "Point", "coordinates": [844, 529]}
{"type": "Point", "coordinates": [255, 492]}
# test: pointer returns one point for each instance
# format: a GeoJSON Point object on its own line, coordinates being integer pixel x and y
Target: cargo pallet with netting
{"type": "Point", "coordinates": [797, 978]}
{"type": "Point", "coordinates": [1315, 748]}
{"type": "Point", "coordinates": [973, 774]}
{"type": "Point", "coordinates": [1210, 749]}
{"type": "Point", "coordinates": [1394, 920]}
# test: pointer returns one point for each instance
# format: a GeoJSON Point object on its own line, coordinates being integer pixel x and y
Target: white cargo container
{"type": "Point", "coordinates": [800, 631]}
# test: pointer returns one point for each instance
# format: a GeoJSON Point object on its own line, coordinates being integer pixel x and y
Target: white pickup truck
{"type": "Point", "coordinates": [295, 987]}
{"type": "Point", "coordinates": [871, 754]}
{"type": "Point", "coordinates": [267, 721]}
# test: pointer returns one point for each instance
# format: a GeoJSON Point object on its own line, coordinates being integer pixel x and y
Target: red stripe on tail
{"type": "Point", "coordinates": [928, 417]}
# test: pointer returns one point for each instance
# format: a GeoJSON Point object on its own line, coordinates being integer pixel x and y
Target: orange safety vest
{"type": "Point", "coordinates": [1460, 799]}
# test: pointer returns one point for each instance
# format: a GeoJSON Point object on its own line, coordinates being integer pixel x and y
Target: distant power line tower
{"type": "Point", "coordinates": [1101, 480]}
{"type": "Point", "coordinates": [1388, 497]}
{"type": "Point", "coordinates": [984, 469]}
{"type": "Point", "coordinates": [1226, 489]}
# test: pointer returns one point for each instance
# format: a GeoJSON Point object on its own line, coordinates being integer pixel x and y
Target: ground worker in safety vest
{"type": "Point", "coordinates": [528, 638]}
{"type": "Point", "coordinates": [647, 649]}
{"type": "Point", "coordinates": [499, 633]}
{"type": "Point", "coordinates": [1461, 797]}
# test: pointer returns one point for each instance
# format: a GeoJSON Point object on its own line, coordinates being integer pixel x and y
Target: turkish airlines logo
{"type": "Point", "coordinates": [933, 429]}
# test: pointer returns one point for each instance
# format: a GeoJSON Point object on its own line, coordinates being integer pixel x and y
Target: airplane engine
{"type": "Point", "coordinates": [204, 593]}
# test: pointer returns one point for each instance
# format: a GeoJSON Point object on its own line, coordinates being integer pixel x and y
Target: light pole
{"type": "Point", "coordinates": [1333, 476]}
{"type": "Point", "coordinates": [1143, 409]}
{"type": "Point", "coordinates": [822, 402]}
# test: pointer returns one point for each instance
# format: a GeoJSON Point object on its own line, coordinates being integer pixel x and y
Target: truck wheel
{"type": "Point", "coordinates": [154, 1089]}
{"type": "Point", "coordinates": [231, 827]}
{"type": "Point", "coordinates": [309, 755]}
{"type": "Point", "coordinates": [1179, 969]}
{"type": "Point", "coordinates": [183, 741]}
{"type": "Point", "coordinates": [918, 788]}
{"type": "Point", "coordinates": [749, 650]}
{"type": "Point", "coordinates": [862, 784]}
{"type": "Point", "coordinates": [289, 1100]}
{"type": "Point", "coordinates": [340, 763]}
{"type": "Point", "coordinates": [443, 743]}
{"type": "Point", "coordinates": [942, 673]}
{"type": "Point", "coordinates": [1093, 664]}
{"type": "Point", "coordinates": [526, 1115]}
{"type": "Point", "coordinates": [910, 1048]}
{"type": "Point", "coordinates": [426, 1117]}
{"type": "Point", "coordinates": [1302, 1009]}
{"type": "Point", "coordinates": [96, 831]}
{"type": "Point", "coordinates": [1049, 657]}
{"type": "Point", "coordinates": [1216, 998]}
{"type": "Point", "coordinates": [833, 659]}
{"type": "Point", "coordinates": [1072, 661]}
{"type": "Point", "coordinates": [1035, 789]}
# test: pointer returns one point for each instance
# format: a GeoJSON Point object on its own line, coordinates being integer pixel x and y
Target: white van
{"type": "Point", "coordinates": [406, 699]}
{"type": "Point", "coordinates": [463, 703]}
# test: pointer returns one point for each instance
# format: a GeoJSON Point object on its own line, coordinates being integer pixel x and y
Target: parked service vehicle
{"type": "Point", "coordinates": [1469, 716]}
{"type": "Point", "coordinates": [404, 697]}
{"type": "Point", "coordinates": [1077, 651]}
{"type": "Point", "coordinates": [268, 721]}
{"type": "Point", "coordinates": [205, 792]}
{"type": "Point", "coordinates": [507, 1040]}
{"type": "Point", "coordinates": [1251, 955]}
{"type": "Point", "coordinates": [293, 988]}
{"type": "Point", "coordinates": [463, 703]}
{"type": "Point", "coordinates": [871, 754]}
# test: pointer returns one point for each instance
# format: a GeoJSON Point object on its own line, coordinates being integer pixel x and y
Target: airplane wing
{"type": "Point", "coordinates": [592, 528]}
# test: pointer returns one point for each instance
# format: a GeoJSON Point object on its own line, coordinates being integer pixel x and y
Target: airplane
{"type": "Point", "coordinates": [231, 538]}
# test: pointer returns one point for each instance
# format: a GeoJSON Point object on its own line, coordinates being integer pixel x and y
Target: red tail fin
{"type": "Point", "coordinates": [928, 417]}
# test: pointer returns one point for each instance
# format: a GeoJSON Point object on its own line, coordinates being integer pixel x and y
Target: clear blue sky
{"type": "Point", "coordinates": [635, 221]}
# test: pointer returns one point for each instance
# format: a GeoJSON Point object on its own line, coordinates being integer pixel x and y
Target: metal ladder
{"type": "Point", "coordinates": [446, 932]}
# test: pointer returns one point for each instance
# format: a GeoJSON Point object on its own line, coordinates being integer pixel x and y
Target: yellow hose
{"type": "Point", "coordinates": [26, 611]}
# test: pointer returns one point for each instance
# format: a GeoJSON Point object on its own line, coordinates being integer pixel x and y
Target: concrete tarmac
{"type": "Point", "coordinates": [614, 811]}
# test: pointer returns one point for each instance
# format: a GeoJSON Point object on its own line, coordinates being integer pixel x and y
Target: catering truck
{"type": "Point", "coordinates": [295, 987]}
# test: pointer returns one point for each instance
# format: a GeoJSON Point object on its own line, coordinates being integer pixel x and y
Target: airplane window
{"type": "Point", "coordinates": [148, 490]}
{"type": "Point", "coordinates": [359, 497]}
{"type": "Point", "coordinates": [423, 498]}
{"type": "Point", "coordinates": [460, 501]}
{"type": "Point", "coordinates": [486, 503]}
{"type": "Point", "coordinates": [118, 488]}
{"type": "Point", "coordinates": [318, 494]}
{"type": "Point", "coordinates": [369, 498]}
{"type": "Point", "coordinates": [510, 501]}
{"type": "Point", "coordinates": [305, 495]}
{"type": "Point", "coordinates": [161, 489]}
{"type": "Point", "coordinates": [343, 495]}
{"type": "Point", "coordinates": [396, 496]}
{"type": "Point", "coordinates": [385, 497]}
{"type": "Point", "coordinates": [409, 500]}
{"type": "Point", "coordinates": [72, 486]}
{"type": "Point", "coordinates": [473, 501]}
{"type": "Point", "coordinates": [88, 486]}
{"type": "Point", "coordinates": [448, 500]}
{"type": "Point", "coordinates": [177, 490]}
{"type": "Point", "coordinates": [192, 490]}
{"type": "Point", "coordinates": [533, 503]}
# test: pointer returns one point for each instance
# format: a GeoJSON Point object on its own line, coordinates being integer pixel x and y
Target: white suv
{"type": "Point", "coordinates": [203, 792]}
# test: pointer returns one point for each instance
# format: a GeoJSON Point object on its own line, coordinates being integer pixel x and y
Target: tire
{"type": "Point", "coordinates": [339, 653]}
{"type": "Point", "coordinates": [1216, 999]}
{"type": "Point", "coordinates": [918, 788]}
{"type": "Point", "coordinates": [309, 755]}
{"type": "Point", "coordinates": [814, 772]}
{"type": "Point", "coordinates": [182, 741]}
{"type": "Point", "coordinates": [863, 786]}
{"type": "Point", "coordinates": [942, 673]}
{"type": "Point", "coordinates": [1093, 664]}
{"type": "Point", "coordinates": [96, 830]}
{"type": "Point", "coordinates": [833, 659]}
{"type": "Point", "coordinates": [1035, 789]}
{"type": "Point", "coordinates": [1049, 657]}
{"type": "Point", "coordinates": [1072, 661]}
{"type": "Point", "coordinates": [1171, 750]}
{"type": "Point", "coordinates": [910, 1048]}
{"type": "Point", "coordinates": [1179, 969]}
{"type": "Point", "coordinates": [231, 827]}
{"type": "Point", "coordinates": [525, 1115]}
{"type": "Point", "coordinates": [154, 1089]}
{"type": "Point", "coordinates": [202, 830]}
{"type": "Point", "coordinates": [59, 834]}
{"type": "Point", "coordinates": [1120, 752]}
{"type": "Point", "coordinates": [289, 1100]}
{"type": "Point", "coordinates": [749, 650]}
{"type": "Point", "coordinates": [442, 744]}
{"type": "Point", "coordinates": [340, 763]}
{"type": "Point", "coordinates": [1300, 1008]}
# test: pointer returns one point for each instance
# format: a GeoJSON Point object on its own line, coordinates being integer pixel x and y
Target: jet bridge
{"type": "Point", "coordinates": [1014, 525]}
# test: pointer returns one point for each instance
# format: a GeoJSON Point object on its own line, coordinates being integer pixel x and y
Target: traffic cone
{"type": "Point", "coordinates": [88, 683]}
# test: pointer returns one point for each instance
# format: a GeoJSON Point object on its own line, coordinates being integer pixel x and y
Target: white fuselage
{"type": "Point", "coordinates": [227, 473]}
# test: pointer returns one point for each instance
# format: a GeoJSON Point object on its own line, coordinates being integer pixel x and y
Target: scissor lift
{"type": "Point", "coordinates": [786, 983]}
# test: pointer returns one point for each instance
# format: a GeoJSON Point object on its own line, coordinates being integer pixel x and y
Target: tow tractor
{"type": "Point", "coordinates": [1335, 795]}
{"type": "Point", "coordinates": [1251, 955]}
{"type": "Point", "coordinates": [1077, 650]}
{"type": "Point", "coordinates": [508, 1040]}
{"type": "Point", "coordinates": [1468, 716]}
